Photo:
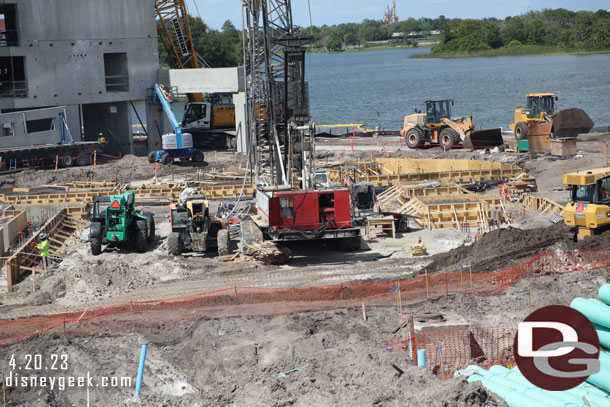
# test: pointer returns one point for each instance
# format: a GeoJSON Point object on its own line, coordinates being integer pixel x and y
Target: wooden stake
{"type": "Point", "coordinates": [364, 312]}
{"type": "Point", "coordinates": [57, 159]}
{"type": "Point", "coordinates": [461, 280]}
{"type": "Point", "coordinates": [529, 303]}
{"type": "Point", "coordinates": [94, 164]}
{"type": "Point", "coordinates": [399, 299]}
{"type": "Point", "coordinates": [470, 269]}
{"type": "Point", "coordinates": [427, 287]}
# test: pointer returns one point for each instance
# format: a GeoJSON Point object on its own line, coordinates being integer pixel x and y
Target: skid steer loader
{"type": "Point", "coordinates": [437, 127]}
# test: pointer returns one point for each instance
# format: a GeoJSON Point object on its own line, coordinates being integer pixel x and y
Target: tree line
{"type": "Point", "coordinates": [568, 30]}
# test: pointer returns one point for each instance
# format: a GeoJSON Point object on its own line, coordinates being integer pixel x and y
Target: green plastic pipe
{"type": "Point", "coordinates": [595, 396]}
{"type": "Point", "coordinates": [602, 379]}
{"type": "Point", "coordinates": [516, 379]}
{"type": "Point", "coordinates": [596, 311]}
{"type": "Point", "coordinates": [604, 293]}
{"type": "Point", "coordinates": [603, 334]}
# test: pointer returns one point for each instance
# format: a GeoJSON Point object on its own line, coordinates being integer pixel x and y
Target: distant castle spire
{"type": "Point", "coordinates": [389, 16]}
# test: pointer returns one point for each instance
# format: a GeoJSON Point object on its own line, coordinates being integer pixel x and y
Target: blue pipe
{"type": "Point", "coordinates": [604, 293]}
{"type": "Point", "coordinates": [141, 368]}
{"type": "Point", "coordinates": [421, 357]}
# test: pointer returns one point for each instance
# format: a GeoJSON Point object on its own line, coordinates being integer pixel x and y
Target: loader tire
{"type": "Point", "coordinates": [96, 245]}
{"type": "Point", "coordinates": [150, 222]}
{"type": "Point", "coordinates": [152, 157]}
{"type": "Point", "coordinates": [415, 138]}
{"type": "Point", "coordinates": [173, 244]}
{"type": "Point", "coordinates": [521, 131]}
{"type": "Point", "coordinates": [140, 236]}
{"type": "Point", "coordinates": [224, 242]}
{"type": "Point", "coordinates": [448, 138]}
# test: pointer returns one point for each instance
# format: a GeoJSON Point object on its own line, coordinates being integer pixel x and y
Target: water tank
{"type": "Point", "coordinates": [169, 141]}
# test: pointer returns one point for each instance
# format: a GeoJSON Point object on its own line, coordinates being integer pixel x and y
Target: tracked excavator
{"type": "Point", "coordinates": [437, 127]}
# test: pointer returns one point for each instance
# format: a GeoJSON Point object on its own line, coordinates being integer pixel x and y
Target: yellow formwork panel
{"type": "Point", "coordinates": [418, 165]}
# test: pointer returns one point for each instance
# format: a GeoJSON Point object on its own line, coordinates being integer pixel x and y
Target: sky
{"type": "Point", "coordinates": [333, 12]}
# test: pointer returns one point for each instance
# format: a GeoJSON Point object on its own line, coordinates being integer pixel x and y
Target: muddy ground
{"type": "Point", "coordinates": [231, 361]}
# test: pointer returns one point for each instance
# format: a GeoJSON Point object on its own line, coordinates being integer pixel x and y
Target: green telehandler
{"type": "Point", "coordinates": [116, 222]}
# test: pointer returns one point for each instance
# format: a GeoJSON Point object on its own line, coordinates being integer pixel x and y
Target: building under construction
{"type": "Point", "coordinates": [304, 268]}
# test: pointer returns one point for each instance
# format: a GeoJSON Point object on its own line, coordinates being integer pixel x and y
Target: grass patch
{"type": "Point", "coordinates": [512, 51]}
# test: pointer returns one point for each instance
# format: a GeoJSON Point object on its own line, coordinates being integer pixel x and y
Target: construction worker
{"type": "Point", "coordinates": [101, 138]}
{"type": "Point", "coordinates": [43, 249]}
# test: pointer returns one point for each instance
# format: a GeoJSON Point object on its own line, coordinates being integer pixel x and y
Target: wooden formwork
{"type": "Point", "coordinates": [544, 205]}
{"type": "Point", "coordinates": [161, 191]}
{"type": "Point", "coordinates": [433, 165]}
{"type": "Point", "coordinates": [60, 229]}
{"type": "Point", "coordinates": [401, 194]}
{"type": "Point", "coordinates": [454, 211]}
{"type": "Point", "coordinates": [392, 171]}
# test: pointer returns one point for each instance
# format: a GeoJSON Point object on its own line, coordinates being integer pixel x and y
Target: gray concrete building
{"type": "Point", "coordinates": [92, 56]}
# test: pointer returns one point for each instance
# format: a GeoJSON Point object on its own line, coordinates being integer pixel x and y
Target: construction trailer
{"type": "Point", "coordinates": [91, 57]}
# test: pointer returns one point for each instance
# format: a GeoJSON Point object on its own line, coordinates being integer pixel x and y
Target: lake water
{"type": "Point", "coordinates": [352, 87]}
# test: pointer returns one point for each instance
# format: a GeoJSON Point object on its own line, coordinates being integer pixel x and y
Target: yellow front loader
{"type": "Point", "coordinates": [589, 206]}
{"type": "Point", "coordinates": [540, 108]}
{"type": "Point", "coordinates": [437, 127]}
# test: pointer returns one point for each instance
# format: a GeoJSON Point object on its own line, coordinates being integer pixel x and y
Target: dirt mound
{"type": "Point", "coordinates": [504, 248]}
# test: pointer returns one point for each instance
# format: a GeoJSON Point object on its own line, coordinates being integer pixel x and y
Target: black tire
{"type": "Point", "coordinates": [82, 159]}
{"type": "Point", "coordinates": [150, 223]}
{"type": "Point", "coordinates": [415, 138]}
{"type": "Point", "coordinates": [96, 245]}
{"type": "Point", "coordinates": [174, 247]}
{"type": "Point", "coordinates": [448, 138]}
{"type": "Point", "coordinates": [224, 242]}
{"type": "Point", "coordinates": [66, 161]}
{"type": "Point", "coordinates": [521, 131]}
{"type": "Point", "coordinates": [197, 157]}
{"type": "Point", "coordinates": [140, 236]}
{"type": "Point", "coordinates": [166, 159]}
{"type": "Point", "coordinates": [151, 157]}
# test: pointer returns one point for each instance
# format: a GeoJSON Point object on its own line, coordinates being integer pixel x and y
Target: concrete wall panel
{"type": "Point", "coordinates": [205, 80]}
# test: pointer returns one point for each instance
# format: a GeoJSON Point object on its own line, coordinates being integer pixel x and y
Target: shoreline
{"type": "Point", "coordinates": [510, 52]}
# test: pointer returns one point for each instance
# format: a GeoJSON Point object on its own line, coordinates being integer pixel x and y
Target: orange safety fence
{"type": "Point", "coordinates": [449, 350]}
{"type": "Point", "coordinates": [147, 316]}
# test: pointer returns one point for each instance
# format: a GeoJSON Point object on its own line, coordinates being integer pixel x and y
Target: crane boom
{"type": "Point", "coordinates": [175, 33]}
